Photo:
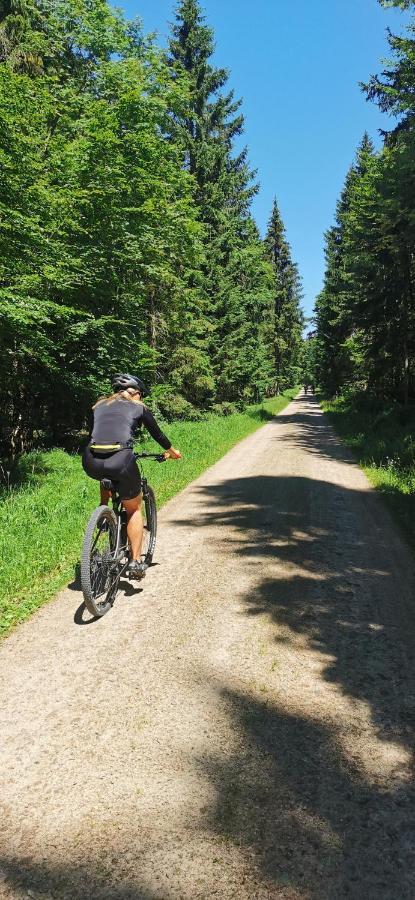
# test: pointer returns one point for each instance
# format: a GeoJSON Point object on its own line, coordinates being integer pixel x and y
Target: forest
{"type": "Point", "coordinates": [364, 344]}
{"type": "Point", "coordinates": [127, 241]}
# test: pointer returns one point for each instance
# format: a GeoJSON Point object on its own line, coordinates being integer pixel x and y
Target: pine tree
{"type": "Point", "coordinates": [126, 240]}
{"type": "Point", "coordinates": [288, 318]}
{"type": "Point", "coordinates": [245, 356]}
{"type": "Point", "coordinates": [365, 313]}
{"type": "Point", "coordinates": [211, 120]}
{"type": "Point", "coordinates": [339, 351]}
{"type": "Point", "coordinates": [394, 89]}
{"type": "Point", "coordinates": [224, 187]}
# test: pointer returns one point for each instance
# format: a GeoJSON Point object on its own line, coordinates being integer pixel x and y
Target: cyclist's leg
{"type": "Point", "coordinates": [104, 495]}
{"type": "Point", "coordinates": [128, 481]}
{"type": "Point", "coordinates": [135, 525]}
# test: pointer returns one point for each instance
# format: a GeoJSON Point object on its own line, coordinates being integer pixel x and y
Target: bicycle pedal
{"type": "Point", "coordinates": [137, 572]}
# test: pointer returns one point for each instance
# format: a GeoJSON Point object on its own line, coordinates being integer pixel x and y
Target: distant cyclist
{"type": "Point", "coordinates": [109, 453]}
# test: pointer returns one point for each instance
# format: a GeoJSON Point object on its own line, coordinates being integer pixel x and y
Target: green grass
{"type": "Point", "coordinates": [382, 438]}
{"type": "Point", "coordinates": [43, 520]}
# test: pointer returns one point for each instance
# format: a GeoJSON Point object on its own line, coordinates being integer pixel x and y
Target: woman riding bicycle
{"type": "Point", "coordinates": [109, 453]}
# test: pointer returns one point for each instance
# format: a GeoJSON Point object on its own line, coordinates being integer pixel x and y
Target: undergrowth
{"type": "Point", "coordinates": [382, 437]}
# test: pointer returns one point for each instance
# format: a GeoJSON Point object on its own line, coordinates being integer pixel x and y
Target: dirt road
{"type": "Point", "coordinates": [243, 726]}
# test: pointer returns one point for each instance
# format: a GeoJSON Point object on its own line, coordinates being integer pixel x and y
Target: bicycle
{"type": "Point", "coordinates": [106, 550]}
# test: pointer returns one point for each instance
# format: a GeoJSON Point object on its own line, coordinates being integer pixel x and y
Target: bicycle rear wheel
{"type": "Point", "coordinates": [149, 510]}
{"type": "Point", "coordinates": [99, 569]}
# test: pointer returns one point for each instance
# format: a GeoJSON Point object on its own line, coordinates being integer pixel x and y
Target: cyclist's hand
{"type": "Point", "coordinates": [172, 454]}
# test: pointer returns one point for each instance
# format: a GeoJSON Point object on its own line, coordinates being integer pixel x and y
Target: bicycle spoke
{"type": "Point", "coordinates": [100, 532]}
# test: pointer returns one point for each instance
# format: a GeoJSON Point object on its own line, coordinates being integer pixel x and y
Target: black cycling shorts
{"type": "Point", "coordinates": [120, 467]}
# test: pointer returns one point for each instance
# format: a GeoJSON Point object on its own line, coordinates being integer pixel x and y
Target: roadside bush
{"type": "Point", "coordinates": [224, 409]}
{"type": "Point", "coordinates": [169, 405]}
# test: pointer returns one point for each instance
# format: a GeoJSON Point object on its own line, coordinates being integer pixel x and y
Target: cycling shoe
{"type": "Point", "coordinates": [137, 570]}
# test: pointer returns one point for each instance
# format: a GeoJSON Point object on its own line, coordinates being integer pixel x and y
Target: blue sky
{"type": "Point", "coordinates": [297, 66]}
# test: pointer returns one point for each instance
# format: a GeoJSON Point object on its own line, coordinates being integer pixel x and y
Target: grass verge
{"type": "Point", "coordinates": [382, 437]}
{"type": "Point", "coordinates": [43, 520]}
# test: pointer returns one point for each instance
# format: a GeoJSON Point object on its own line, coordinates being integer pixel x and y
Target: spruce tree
{"type": "Point", "coordinates": [339, 351]}
{"type": "Point", "coordinates": [287, 293]}
{"type": "Point", "coordinates": [224, 188]}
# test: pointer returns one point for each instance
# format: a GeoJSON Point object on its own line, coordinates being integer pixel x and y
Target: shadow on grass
{"type": "Point", "coordinates": [31, 470]}
{"type": "Point", "coordinates": [260, 415]}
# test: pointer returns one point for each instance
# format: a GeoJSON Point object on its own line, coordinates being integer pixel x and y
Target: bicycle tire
{"type": "Point", "coordinates": [150, 527]}
{"type": "Point", "coordinates": [92, 581]}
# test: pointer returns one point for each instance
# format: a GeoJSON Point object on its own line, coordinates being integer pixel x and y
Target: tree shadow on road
{"type": "Point", "coordinates": [307, 818]}
{"type": "Point", "coordinates": [326, 567]}
{"type": "Point", "coordinates": [348, 593]}
{"type": "Point", "coordinates": [22, 877]}
{"type": "Point", "coordinates": [313, 431]}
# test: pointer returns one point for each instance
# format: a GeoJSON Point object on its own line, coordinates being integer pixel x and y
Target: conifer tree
{"type": "Point", "coordinates": [288, 318]}
{"type": "Point", "coordinates": [394, 89]}
{"type": "Point", "coordinates": [224, 187]}
{"type": "Point", "coordinates": [339, 354]}
{"type": "Point", "coordinates": [211, 120]}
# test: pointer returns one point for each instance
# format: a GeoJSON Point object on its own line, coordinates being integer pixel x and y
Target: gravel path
{"type": "Point", "coordinates": [242, 727]}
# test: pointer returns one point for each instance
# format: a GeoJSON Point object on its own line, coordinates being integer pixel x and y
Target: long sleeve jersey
{"type": "Point", "coordinates": [118, 421]}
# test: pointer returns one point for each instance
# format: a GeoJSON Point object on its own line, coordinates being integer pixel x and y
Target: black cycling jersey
{"type": "Point", "coordinates": [117, 422]}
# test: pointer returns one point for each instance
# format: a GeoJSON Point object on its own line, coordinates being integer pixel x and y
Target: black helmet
{"type": "Point", "coordinates": [122, 382]}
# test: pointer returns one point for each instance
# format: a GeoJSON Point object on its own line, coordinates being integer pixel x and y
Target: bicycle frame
{"type": "Point", "coordinates": [119, 510]}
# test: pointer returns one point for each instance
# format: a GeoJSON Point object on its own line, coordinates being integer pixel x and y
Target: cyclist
{"type": "Point", "coordinates": [109, 453]}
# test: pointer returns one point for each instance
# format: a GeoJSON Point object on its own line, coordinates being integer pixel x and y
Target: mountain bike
{"type": "Point", "coordinates": [106, 550]}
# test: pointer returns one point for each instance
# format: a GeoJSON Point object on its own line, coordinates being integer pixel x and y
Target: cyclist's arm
{"type": "Point", "coordinates": [158, 435]}
{"type": "Point", "coordinates": [156, 432]}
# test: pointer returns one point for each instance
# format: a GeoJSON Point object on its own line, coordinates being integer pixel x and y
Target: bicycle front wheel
{"type": "Point", "coordinates": [99, 567]}
{"type": "Point", "coordinates": [150, 527]}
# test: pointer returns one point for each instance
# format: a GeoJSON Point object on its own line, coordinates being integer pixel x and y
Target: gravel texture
{"type": "Point", "coordinates": [241, 726]}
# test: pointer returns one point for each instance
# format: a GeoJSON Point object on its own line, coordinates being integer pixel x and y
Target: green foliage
{"type": "Point", "coordinates": [125, 235]}
{"type": "Point", "coordinates": [168, 404]}
{"type": "Point", "coordinates": [366, 311]}
{"type": "Point", "coordinates": [99, 235]}
{"type": "Point", "coordinates": [309, 359]}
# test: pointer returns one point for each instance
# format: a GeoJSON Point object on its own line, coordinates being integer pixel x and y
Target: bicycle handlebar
{"type": "Point", "coordinates": [158, 456]}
